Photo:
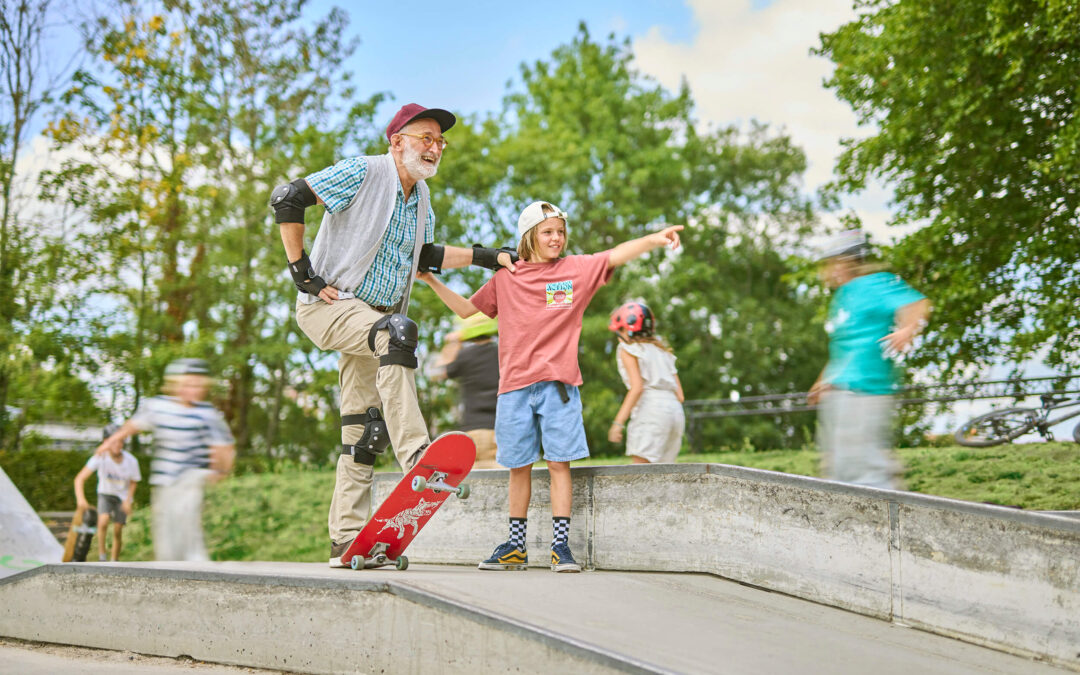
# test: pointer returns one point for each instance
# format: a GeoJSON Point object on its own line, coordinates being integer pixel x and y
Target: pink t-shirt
{"type": "Point", "coordinates": [540, 307]}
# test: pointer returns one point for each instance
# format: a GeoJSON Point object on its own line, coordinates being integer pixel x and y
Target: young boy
{"type": "Point", "coordinates": [192, 445]}
{"type": "Point", "coordinates": [540, 308]}
{"type": "Point", "coordinates": [118, 474]}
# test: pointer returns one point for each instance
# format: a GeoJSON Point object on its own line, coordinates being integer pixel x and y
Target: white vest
{"type": "Point", "coordinates": [348, 240]}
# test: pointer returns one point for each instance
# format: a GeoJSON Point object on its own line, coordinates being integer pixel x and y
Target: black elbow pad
{"type": "Point", "coordinates": [431, 258]}
{"type": "Point", "coordinates": [290, 200]}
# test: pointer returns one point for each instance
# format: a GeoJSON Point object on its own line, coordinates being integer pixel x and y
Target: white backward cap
{"type": "Point", "coordinates": [534, 214]}
{"type": "Point", "coordinates": [849, 243]}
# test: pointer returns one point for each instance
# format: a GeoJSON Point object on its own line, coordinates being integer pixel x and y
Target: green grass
{"type": "Point", "coordinates": [282, 516]}
{"type": "Point", "coordinates": [802, 462]}
{"type": "Point", "coordinates": [1036, 476]}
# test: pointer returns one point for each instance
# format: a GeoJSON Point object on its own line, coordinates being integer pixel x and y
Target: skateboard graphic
{"type": "Point", "coordinates": [82, 531]}
{"type": "Point", "coordinates": [412, 502]}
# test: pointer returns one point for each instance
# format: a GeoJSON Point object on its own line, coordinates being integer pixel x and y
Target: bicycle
{"type": "Point", "coordinates": [1003, 426]}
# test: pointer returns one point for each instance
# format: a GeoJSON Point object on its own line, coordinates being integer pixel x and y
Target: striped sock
{"type": "Point", "coordinates": [560, 528]}
{"type": "Point", "coordinates": [517, 532]}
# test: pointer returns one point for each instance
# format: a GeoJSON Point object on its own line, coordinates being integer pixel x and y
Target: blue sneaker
{"type": "Point", "coordinates": [562, 560]}
{"type": "Point", "coordinates": [507, 556]}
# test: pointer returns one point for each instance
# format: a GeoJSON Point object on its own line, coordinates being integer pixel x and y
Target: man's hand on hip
{"type": "Point", "coordinates": [329, 294]}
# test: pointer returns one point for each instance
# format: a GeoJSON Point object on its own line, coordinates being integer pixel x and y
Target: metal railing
{"type": "Point", "coordinates": [781, 404]}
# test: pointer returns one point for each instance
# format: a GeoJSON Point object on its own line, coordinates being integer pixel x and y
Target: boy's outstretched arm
{"type": "Point", "coordinates": [628, 250]}
{"type": "Point", "coordinates": [457, 304]}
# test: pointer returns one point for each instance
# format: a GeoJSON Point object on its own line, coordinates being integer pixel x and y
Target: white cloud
{"type": "Point", "coordinates": [747, 63]}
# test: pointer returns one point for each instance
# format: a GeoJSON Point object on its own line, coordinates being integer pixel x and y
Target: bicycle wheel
{"type": "Point", "coordinates": [1000, 426]}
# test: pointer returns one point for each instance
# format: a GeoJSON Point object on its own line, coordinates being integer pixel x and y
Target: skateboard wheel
{"type": "Point", "coordinates": [463, 491]}
{"type": "Point", "coordinates": [402, 563]}
{"type": "Point", "coordinates": [419, 484]}
{"type": "Point", "coordinates": [357, 562]}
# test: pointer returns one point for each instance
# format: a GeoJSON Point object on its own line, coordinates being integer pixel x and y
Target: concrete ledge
{"type": "Point", "coordinates": [283, 621]}
{"type": "Point", "coordinates": [990, 575]}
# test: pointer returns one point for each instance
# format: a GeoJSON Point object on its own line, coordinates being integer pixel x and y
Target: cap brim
{"type": "Point", "coordinates": [445, 118]}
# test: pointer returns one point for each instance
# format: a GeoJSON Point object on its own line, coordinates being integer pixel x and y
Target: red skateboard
{"type": "Point", "coordinates": [415, 498]}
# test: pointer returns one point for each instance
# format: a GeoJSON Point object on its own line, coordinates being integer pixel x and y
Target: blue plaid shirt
{"type": "Point", "coordinates": [388, 277]}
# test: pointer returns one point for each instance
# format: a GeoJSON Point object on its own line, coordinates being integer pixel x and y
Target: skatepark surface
{"type": "Point", "coordinates": [602, 621]}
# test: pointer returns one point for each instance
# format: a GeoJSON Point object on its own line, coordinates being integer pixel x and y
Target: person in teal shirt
{"type": "Point", "coordinates": [874, 316]}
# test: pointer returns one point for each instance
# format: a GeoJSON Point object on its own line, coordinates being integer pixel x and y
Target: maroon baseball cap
{"type": "Point", "coordinates": [415, 111]}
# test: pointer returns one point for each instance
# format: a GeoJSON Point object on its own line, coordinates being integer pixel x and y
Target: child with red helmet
{"type": "Point", "coordinates": [540, 305]}
{"type": "Point", "coordinates": [654, 396]}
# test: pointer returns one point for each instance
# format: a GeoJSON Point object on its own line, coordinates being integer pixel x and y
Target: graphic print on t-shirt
{"type": "Point", "coordinates": [560, 295]}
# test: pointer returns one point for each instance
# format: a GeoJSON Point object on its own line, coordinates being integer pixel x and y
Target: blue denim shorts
{"type": "Point", "coordinates": [535, 416]}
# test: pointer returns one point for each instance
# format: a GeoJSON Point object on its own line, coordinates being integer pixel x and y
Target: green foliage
{"type": "Point", "coordinates": [46, 477]}
{"type": "Point", "coordinates": [192, 113]}
{"type": "Point", "coordinates": [38, 356]}
{"type": "Point", "coordinates": [977, 124]}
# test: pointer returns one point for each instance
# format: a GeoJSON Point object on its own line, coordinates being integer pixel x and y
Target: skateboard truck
{"type": "Point", "coordinates": [437, 483]}
{"type": "Point", "coordinates": [376, 557]}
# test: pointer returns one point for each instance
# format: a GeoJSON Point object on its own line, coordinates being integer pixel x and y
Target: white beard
{"type": "Point", "coordinates": [418, 168]}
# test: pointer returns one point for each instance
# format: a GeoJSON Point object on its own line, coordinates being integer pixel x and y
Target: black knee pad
{"type": "Point", "coordinates": [404, 335]}
{"type": "Point", "coordinates": [374, 442]}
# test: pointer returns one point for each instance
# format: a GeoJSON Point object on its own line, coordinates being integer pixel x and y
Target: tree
{"type": "Point", "coordinates": [190, 116]}
{"type": "Point", "coordinates": [977, 124]}
{"type": "Point", "coordinates": [39, 361]}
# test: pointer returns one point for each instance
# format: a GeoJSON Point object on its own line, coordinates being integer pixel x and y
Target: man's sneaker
{"type": "Point", "coordinates": [562, 560]}
{"type": "Point", "coordinates": [338, 550]}
{"type": "Point", "coordinates": [507, 556]}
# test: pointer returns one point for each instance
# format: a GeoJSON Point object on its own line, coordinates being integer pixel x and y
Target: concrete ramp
{"type": "Point", "coordinates": [304, 617]}
{"type": "Point", "coordinates": [25, 541]}
{"type": "Point", "coordinates": [992, 575]}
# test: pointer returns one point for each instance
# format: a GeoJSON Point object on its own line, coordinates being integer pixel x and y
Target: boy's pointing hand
{"type": "Point", "coordinates": [670, 236]}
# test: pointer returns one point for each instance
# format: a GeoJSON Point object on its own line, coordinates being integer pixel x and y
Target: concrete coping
{"type": "Point", "coordinates": [1047, 519]}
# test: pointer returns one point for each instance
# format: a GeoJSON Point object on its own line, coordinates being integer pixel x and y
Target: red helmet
{"type": "Point", "coordinates": [635, 317]}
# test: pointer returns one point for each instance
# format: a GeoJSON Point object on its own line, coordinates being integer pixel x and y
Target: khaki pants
{"type": "Point", "coordinates": [485, 448]}
{"type": "Point", "coordinates": [344, 327]}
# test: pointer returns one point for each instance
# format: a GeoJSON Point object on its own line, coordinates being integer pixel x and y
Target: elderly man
{"type": "Point", "coordinates": [354, 295]}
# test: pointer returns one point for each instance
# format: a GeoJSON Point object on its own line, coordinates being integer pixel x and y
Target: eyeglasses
{"type": "Point", "coordinates": [428, 139]}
